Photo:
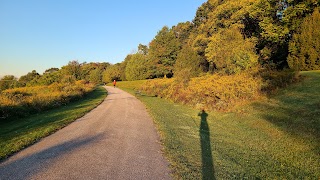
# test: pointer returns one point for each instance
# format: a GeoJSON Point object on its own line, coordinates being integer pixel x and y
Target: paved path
{"type": "Point", "coordinates": [117, 140]}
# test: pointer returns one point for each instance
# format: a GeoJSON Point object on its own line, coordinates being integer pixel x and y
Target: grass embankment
{"type": "Point", "coordinates": [276, 138]}
{"type": "Point", "coordinates": [21, 132]}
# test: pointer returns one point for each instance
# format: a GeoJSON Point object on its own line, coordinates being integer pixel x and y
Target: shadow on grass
{"type": "Point", "coordinates": [27, 166]}
{"type": "Point", "coordinates": [296, 110]}
{"type": "Point", "coordinates": [206, 152]}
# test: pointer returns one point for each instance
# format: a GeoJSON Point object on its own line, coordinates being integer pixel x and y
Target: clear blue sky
{"type": "Point", "coordinates": [40, 34]}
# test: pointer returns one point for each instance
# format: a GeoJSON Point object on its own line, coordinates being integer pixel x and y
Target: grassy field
{"type": "Point", "coordinates": [276, 138]}
{"type": "Point", "coordinates": [19, 133]}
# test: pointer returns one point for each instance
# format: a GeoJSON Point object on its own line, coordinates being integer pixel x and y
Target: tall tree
{"type": "Point", "coordinates": [137, 67]}
{"type": "Point", "coordinates": [163, 50]}
{"type": "Point", "coordinates": [230, 52]}
{"type": "Point", "coordinates": [96, 76]}
{"type": "Point", "coordinates": [113, 72]}
{"type": "Point", "coordinates": [72, 69]}
{"type": "Point", "coordinates": [305, 46]}
{"type": "Point", "coordinates": [188, 63]}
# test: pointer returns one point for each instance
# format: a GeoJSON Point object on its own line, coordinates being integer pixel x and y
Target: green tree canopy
{"type": "Point", "coordinates": [230, 52]}
{"type": "Point", "coordinates": [113, 72]}
{"type": "Point", "coordinates": [8, 82]}
{"type": "Point", "coordinates": [137, 67]}
{"type": "Point", "coordinates": [24, 80]}
{"type": "Point", "coordinates": [163, 50]}
{"type": "Point", "coordinates": [305, 46]}
{"type": "Point", "coordinates": [72, 69]}
{"type": "Point", "coordinates": [189, 61]}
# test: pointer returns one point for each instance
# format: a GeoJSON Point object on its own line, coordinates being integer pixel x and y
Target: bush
{"type": "Point", "coordinates": [24, 101]}
{"type": "Point", "coordinates": [221, 92]}
{"type": "Point", "coordinates": [213, 92]}
{"type": "Point", "coordinates": [273, 80]}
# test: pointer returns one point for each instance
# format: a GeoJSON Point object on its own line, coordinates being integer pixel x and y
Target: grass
{"type": "Point", "coordinates": [276, 138]}
{"type": "Point", "coordinates": [19, 133]}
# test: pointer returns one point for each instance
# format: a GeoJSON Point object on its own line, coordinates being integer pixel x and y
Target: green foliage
{"type": "Point", "coordinates": [48, 78]}
{"type": "Point", "coordinates": [7, 82]}
{"type": "Point", "coordinates": [24, 80]}
{"type": "Point", "coordinates": [187, 64]}
{"type": "Point", "coordinates": [96, 76]}
{"type": "Point", "coordinates": [113, 72]}
{"type": "Point", "coordinates": [230, 53]}
{"type": "Point", "coordinates": [51, 70]}
{"type": "Point", "coordinates": [143, 49]}
{"type": "Point", "coordinates": [305, 46]}
{"type": "Point", "coordinates": [163, 50]}
{"type": "Point", "coordinates": [72, 69]}
{"type": "Point", "coordinates": [137, 67]}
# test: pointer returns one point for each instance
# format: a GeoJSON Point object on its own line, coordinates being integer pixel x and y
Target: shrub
{"type": "Point", "coordinates": [213, 92]}
{"type": "Point", "coordinates": [273, 80]}
{"type": "Point", "coordinates": [24, 101]}
{"type": "Point", "coordinates": [221, 92]}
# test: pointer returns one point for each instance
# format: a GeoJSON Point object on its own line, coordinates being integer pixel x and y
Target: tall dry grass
{"type": "Point", "coordinates": [23, 101]}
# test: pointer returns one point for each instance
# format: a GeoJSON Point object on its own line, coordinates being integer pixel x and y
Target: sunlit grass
{"type": "Point", "coordinates": [277, 138]}
{"type": "Point", "coordinates": [19, 133]}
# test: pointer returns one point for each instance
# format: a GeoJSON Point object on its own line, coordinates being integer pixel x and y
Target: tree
{"type": "Point", "coordinates": [8, 82]}
{"type": "Point", "coordinates": [72, 69]}
{"type": "Point", "coordinates": [187, 61]}
{"type": "Point", "coordinates": [48, 78]}
{"type": "Point", "coordinates": [137, 67]}
{"type": "Point", "coordinates": [24, 80]}
{"type": "Point", "coordinates": [143, 49]}
{"type": "Point", "coordinates": [112, 73]}
{"type": "Point", "coordinates": [51, 70]}
{"type": "Point", "coordinates": [96, 76]}
{"type": "Point", "coordinates": [163, 50]}
{"type": "Point", "coordinates": [202, 13]}
{"type": "Point", "coordinates": [304, 49]}
{"type": "Point", "coordinates": [230, 52]}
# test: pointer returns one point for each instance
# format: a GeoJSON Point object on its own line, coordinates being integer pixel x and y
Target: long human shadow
{"type": "Point", "coordinates": [206, 152]}
{"type": "Point", "coordinates": [26, 167]}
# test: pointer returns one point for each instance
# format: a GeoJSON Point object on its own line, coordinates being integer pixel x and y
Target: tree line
{"type": "Point", "coordinates": [225, 37]}
{"type": "Point", "coordinates": [229, 37]}
{"type": "Point", "coordinates": [70, 73]}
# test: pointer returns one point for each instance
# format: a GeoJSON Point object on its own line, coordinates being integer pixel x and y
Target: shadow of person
{"type": "Point", "coordinates": [206, 154]}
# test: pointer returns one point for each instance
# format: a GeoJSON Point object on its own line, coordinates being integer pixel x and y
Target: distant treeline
{"type": "Point", "coordinates": [68, 74]}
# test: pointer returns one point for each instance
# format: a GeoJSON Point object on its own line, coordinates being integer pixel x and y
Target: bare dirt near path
{"type": "Point", "coordinates": [117, 140]}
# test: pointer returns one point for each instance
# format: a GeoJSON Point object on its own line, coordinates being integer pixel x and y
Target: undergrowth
{"type": "Point", "coordinates": [21, 102]}
{"type": "Point", "coordinates": [220, 92]}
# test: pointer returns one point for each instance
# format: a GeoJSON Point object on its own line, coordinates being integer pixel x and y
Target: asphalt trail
{"type": "Point", "coordinates": [116, 140]}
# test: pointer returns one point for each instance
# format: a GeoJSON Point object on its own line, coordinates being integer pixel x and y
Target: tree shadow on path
{"type": "Point", "coordinates": [206, 152]}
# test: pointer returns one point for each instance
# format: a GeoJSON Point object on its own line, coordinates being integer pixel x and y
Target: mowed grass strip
{"type": "Point", "coordinates": [277, 138]}
{"type": "Point", "coordinates": [19, 133]}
